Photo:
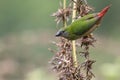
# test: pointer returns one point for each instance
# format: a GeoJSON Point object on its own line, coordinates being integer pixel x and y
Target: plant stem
{"type": "Point", "coordinates": [73, 42]}
{"type": "Point", "coordinates": [64, 6]}
{"type": "Point", "coordinates": [74, 54]}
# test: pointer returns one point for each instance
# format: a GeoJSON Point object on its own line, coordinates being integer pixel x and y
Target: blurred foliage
{"type": "Point", "coordinates": [110, 71]}
{"type": "Point", "coordinates": [39, 74]}
{"type": "Point", "coordinates": [27, 30]}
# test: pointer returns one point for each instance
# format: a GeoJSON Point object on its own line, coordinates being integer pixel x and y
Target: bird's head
{"type": "Point", "coordinates": [62, 32]}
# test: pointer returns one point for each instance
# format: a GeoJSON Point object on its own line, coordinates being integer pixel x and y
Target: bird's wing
{"type": "Point", "coordinates": [83, 26]}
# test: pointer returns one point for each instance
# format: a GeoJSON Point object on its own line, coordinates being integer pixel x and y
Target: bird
{"type": "Point", "coordinates": [82, 26]}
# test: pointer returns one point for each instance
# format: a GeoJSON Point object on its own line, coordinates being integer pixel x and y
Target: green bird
{"type": "Point", "coordinates": [83, 26]}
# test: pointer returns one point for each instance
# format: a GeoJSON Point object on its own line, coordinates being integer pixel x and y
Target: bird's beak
{"type": "Point", "coordinates": [58, 34]}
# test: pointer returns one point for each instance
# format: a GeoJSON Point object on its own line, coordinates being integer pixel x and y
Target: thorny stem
{"type": "Point", "coordinates": [73, 42]}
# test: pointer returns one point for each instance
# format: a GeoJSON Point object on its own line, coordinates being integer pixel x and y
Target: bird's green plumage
{"type": "Point", "coordinates": [80, 26]}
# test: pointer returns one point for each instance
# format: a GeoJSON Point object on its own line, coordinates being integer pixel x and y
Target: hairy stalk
{"type": "Point", "coordinates": [73, 42]}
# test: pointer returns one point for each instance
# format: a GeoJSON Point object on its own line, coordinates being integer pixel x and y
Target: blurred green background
{"type": "Point", "coordinates": [26, 33]}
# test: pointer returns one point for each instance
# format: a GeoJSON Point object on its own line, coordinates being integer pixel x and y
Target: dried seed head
{"type": "Point", "coordinates": [62, 62]}
{"type": "Point", "coordinates": [62, 14]}
{"type": "Point", "coordinates": [82, 7]}
{"type": "Point", "coordinates": [86, 41]}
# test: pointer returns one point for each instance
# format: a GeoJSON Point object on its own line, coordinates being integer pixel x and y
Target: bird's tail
{"type": "Point", "coordinates": [103, 12]}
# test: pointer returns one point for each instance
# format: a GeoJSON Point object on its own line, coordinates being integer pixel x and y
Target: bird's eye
{"type": "Point", "coordinates": [62, 31]}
